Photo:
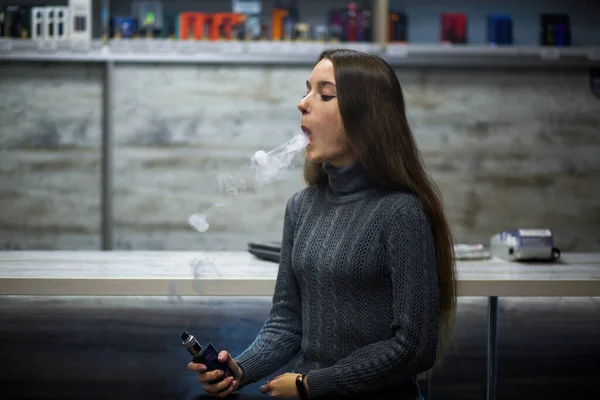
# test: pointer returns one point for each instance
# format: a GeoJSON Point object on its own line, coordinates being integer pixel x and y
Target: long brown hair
{"type": "Point", "coordinates": [373, 113]}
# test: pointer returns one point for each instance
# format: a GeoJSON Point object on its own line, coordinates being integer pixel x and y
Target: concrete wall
{"type": "Point", "coordinates": [507, 148]}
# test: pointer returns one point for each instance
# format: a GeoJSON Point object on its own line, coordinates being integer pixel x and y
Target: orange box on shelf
{"type": "Point", "coordinates": [214, 25]}
{"type": "Point", "coordinates": [191, 25]}
{"type": "Point", "coordinates": [229, 22]}
{"type": "Point", "coordinates": [277, 23]}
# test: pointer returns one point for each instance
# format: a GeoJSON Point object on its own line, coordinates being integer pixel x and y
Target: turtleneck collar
{"type": "Point", "coordinates": [347, 183]}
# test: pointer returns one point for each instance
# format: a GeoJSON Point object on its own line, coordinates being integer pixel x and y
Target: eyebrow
{"type": "Point", "coordinates": [321, 83]}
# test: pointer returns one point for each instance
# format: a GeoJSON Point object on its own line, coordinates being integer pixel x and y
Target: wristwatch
{"type": "Point", "coordinates": [301, 388]}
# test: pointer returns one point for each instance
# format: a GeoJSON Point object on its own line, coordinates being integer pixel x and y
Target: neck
{"type": "Point", "coordinates": [347, 183]}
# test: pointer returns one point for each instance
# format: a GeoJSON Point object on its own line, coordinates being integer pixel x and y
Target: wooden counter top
{"type": "Point", "coordinates": [168, 273]}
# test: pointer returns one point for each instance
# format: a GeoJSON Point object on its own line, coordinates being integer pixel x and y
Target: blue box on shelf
{"type": "Point", "coordinates": [123, 27]}
{"type": "Point", "coordinates": [500, 29]}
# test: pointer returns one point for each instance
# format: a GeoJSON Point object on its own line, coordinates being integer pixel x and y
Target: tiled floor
{"type": "Point", "coordinates": [129, 348]}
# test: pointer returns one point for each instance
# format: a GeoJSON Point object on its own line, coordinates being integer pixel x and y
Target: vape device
{"type": "Point", "coordinates": [302, 31]}
{"type": "Point", "coordinates": [208, 356]}
{"type": "Point", "coordinates": [453, 28]}
{"type": "Point", "coordinates": [38, 24]}
{"type": "Point", "coordinates": [398, 27]}
{"type": "Point", "coordinates": [252, 27]}
{"type": "Point", "coordinates": [289, 29]}
{"type": "Point", "coordinates": [320, 33]}
{"type": "Point", "coordinates": [524, 245]}
{"type": "Point", "coordinates": [555, 30]}
{"type": "Point", "coordinates": [80, 15]}
{"type": "Point", "coordinates": [191, 25]}
{"type": "Point", "coordinates": [500, 29]}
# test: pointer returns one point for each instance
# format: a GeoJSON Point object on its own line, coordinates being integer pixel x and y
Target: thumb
{"type": "Point", "coordinates": [225, 357]}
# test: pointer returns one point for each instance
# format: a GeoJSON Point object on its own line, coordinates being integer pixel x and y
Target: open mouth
{"type": "Point", "coordinates": [306, 132]}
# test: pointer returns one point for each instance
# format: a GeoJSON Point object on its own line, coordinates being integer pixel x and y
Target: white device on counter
{"type": "Point", "coordinates": [524, 245]}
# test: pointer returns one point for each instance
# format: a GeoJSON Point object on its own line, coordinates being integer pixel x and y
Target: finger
{"type": "Point", "coordinates": [196, 367]}
{"type": "Point", "coordinates": [224, 356]}
{"type": "Point", "coordinates": [210, 376]}
{"type": "Point", "coordinates": [229, 390]}
{"type": "Point", "coordinates": [217, 389]}
{"type": "Point", "coordinates": [266, 388]}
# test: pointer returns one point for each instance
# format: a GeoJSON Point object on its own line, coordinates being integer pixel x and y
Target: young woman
{"type": "Point", "coordinates": [365, 293]}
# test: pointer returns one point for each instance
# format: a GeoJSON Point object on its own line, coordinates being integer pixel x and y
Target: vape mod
{"type": "Point", "coordinates": [208, 356]}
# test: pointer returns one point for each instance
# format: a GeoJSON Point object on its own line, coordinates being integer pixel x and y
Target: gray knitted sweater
{"type": "Point", "coordinates": [356, 296]}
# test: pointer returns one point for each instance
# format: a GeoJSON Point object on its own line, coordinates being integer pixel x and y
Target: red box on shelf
{"type": "Point", "coordinates": [453, 28]}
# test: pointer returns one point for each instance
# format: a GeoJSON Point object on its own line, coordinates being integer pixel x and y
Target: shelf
{"type": "Point", "coordinates": [294, 53]}
{"type": "Point", "coordinates": [491, 56]}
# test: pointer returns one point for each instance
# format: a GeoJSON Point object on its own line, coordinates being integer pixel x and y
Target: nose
{"type": "Point", "coordinates": [303, 106]}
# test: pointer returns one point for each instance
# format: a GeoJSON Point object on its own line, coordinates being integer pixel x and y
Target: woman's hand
{"type": "Point", "coordinates": [226, 386]}
{"type": "Point", "coordinates": [282, 386]}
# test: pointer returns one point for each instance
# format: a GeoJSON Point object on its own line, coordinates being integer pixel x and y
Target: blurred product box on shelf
{"type": "Point", "coordinates": [245, 22]}
{"type": "Point", "coordinates": [80, 20]}
{"type": "Point", "coordinates": [50, 23]}
{"type": "Point", "coordinates": [398, 27]}
{"type": "Point", "coordinates": [149, 16]}
{"type": "Point", "coordinates": [500, 30]}
{"type": "Point", "coordinates": [252, 10]}
{"type": "Point", "coordinates": [38, 18]}
{"type": "Point", "coordinates": [191, 26]}
{"type": "Point", "coordinates": [351, 24]}
{"type": "Point", "coordinates": [555, 30]}
{"type": "Point", "coordinates": [453, 28]}
{"type": "Point", "coordinates": [170, 26]}
{"type": "Point", "coordinates": [16, 21]}
{"type": "Point", "coordinates": [123, 27]}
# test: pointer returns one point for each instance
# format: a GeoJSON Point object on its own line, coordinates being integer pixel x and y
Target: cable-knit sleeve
{"type": "Point", "coordinates": [411, 263]}
{"type": "Point", "coordinates": [279, 338]}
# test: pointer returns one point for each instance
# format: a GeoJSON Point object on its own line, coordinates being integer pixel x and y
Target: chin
{"type": "Point", "coordinates": [312, 157]}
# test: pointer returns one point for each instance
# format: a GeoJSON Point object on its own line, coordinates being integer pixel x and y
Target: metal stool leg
{"type": "Point", "coordinates": [492, 347]}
